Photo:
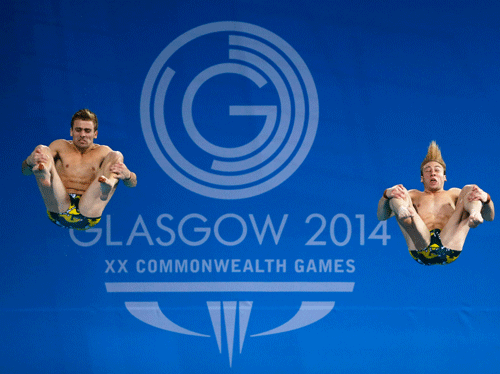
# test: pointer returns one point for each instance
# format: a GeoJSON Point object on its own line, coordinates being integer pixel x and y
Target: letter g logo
{"type": "Point", "coordinates": [193, 142]}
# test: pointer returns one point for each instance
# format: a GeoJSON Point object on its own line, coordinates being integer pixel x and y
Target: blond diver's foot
{"type": "Point", "coordinates": [475, 219]}
{"type": "Point", "coordinates": [403, 213]}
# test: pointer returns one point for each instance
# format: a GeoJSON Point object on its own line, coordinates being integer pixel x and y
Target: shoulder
{"type": "Point", "coordinates": [102, 149]}
{"type": "Point", "coordinates": [99, 152]}
{"type": "Point", "coordinates": [414, 194]}
{"type": "Point", "coordinates": [454, 192]}
{"type": "Point", "coordinates": [59, 145]}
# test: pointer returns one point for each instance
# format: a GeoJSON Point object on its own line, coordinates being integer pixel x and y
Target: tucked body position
{"type": "Point", "coordinates": [77, 178]}
{"type": "Point", "coordinates": [435, 222]}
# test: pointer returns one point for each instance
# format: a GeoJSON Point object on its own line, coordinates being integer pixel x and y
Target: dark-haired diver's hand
{"type": "Point", "coordinates": [120, 171]}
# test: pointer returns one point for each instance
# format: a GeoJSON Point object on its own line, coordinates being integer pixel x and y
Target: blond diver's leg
{"type": "Point", "coordinates": [414, 229]}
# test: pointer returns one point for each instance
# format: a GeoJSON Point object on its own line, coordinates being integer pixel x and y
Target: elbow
{"type": "Point", "coordinates": [131, 183]}
{"type": "Point", "coordinates": [490, 216]}
{"type": "Point", "coordinates": [381, 216]}
{"type": "Point", "coordinates": [488, 212]}
{"type": "Point", "coordinates": [26, 170]}
{"type": "Point", "coordinates": [383, 213]}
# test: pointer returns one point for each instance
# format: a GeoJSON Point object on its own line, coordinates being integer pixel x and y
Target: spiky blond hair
{"type": "Point", "coordinates": [433, 154]}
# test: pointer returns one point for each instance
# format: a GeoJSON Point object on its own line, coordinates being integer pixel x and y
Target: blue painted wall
{"type": "Point", "coordinates": [386, 78]}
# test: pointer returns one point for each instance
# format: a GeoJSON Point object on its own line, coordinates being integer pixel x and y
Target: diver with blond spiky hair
{"type": "Point", "coordinates": [433, 154]}
{"type": "Point", "coordinates": [435, 222]}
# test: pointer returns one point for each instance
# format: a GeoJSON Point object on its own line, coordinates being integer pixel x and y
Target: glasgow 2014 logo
{"type": "Point", "coordinates": [229, 110]}
{"type": "Point", "coordinates": [189, 122]}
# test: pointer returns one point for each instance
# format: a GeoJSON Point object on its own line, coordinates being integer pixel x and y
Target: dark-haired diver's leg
{"type": "Point", "coordinates": [53, 192]}
{"type": "Point", "coordinates": [100, 191]}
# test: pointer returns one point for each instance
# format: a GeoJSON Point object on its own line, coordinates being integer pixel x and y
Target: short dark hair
{"type": "Point", "coordinates": [85, 115]}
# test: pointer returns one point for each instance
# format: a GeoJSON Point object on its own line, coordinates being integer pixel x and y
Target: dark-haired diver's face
{"type": "Point", "coordinates": [433, 176]}
{"type": "Point", "coordinates": [83, 134]}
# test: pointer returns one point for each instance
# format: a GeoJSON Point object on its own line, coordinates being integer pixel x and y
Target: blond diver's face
{"type": "Point", "coordinates": [433, 176]}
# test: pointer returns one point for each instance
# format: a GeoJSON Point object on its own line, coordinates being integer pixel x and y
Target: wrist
{"type": "Point", "coordinates": [488, 199]}
{"type": "Point", "coordinates": [28, 163]}
{"type": "Point", "coordinates": [385, 195]}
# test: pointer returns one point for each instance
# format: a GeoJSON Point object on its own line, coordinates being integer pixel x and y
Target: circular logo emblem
{"type": "Point", "coordinates": [229, 110]}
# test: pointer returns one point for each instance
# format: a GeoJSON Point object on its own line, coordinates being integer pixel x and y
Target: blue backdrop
{"type": "Point", "coordinates": [263, 134]}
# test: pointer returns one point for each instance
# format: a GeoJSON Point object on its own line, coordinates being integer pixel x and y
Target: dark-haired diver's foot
{"type": "Point", "coordinates": [106, 187]}
{"type": "Point", "coordinates": [42, 174]}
